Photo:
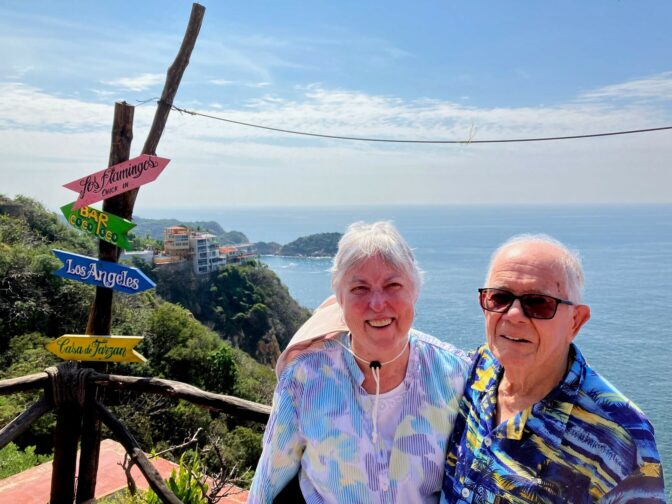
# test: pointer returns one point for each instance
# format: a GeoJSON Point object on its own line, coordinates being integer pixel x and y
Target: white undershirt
{"type": "Point", "coordinates": [389, 411]}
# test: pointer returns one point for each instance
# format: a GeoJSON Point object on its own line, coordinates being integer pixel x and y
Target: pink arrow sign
{"type": "Point", "coordinates": [117, 179]}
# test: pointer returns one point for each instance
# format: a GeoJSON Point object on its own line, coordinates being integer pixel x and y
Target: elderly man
{"type": "Point", "coordinates": [537, 423]}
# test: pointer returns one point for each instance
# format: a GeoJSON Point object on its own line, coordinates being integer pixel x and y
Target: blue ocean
{"type": "Point", "coordinates": [627, 256]}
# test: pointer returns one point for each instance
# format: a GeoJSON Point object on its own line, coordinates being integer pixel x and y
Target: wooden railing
{"type": "Point", "coordinates": [69, 387]}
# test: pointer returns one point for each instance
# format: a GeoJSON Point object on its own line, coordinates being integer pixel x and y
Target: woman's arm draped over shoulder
{"type": "Point", "coordinates": [283, 442]}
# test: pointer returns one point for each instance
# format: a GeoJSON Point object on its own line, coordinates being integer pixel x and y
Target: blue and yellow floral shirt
{"type": "Point", "coordinates": [321, 425]}
{"type": "Point", "coordinates": [584, 442]}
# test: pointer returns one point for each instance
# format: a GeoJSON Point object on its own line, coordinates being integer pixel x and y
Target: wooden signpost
{"type": "Point", "coordinates": [102, 273]}
{"type": "Point", "coordinates": [82, 347]}
{"type": "Point", "coordinates": [117, 179]}
{"type": "Point", "coordinates": [118, 186]}
{"type": "Point", "coordinates": [103, 225]}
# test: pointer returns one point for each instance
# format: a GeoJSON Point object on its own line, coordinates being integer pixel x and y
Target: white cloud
{"type": "Point", "coordinates": [221, 82]}
{"type": "Point", "coordinates": [102, 93]}
{"type": "Point", "coordinates": [139, 83]}
{"type": "Point", "coordinates": [18, 72]}
{"type": "Point", "coordinates": [26, 107]}
{"type": "Point", "coordinates": [657, 87]}
{"type": "Point", "coordinates": [52, 140]}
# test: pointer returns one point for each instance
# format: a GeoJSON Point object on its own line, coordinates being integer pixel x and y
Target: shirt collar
{"type": "Point", "coordinates": [547, 418]}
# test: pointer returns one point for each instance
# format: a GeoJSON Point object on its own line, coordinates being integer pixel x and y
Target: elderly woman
{"type": "Point", "coordinates": [364, 416]}
{"type": "Point", "coordinates": [537, 423]}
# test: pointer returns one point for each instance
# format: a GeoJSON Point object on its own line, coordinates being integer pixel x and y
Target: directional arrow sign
{"type": "Point", "coordinates": [102, 273]}
{"type": "Point", "coordinates": [96, 348]}
{"type": "Point", "coordinates": [103, 225]}
{"type": "Point", "coordinates": [117, 179]}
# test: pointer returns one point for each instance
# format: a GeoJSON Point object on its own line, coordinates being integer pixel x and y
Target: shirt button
{"type": "Point", "coordinates": [384, 483]}
{"type": "Point", "coordinates": [465, 492]}
{"type": "Point", "coordinates": [487, 442]}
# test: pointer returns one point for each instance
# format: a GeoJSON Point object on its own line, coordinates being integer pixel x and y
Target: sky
{"type": "Point", "coordinates": [423, 70]}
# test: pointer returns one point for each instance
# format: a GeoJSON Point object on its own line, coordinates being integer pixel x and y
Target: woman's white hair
{"type": "Point", "coordinates": [363, 241]}
{"type": "Point", "coordinates": [568, 259]}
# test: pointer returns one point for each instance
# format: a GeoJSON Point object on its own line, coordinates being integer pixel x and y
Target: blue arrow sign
{"type": "Point", "coordinates": [102, 273]}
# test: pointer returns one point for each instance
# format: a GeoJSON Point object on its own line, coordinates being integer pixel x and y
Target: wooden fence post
{"type": "Point", "coordinates": [67, 396]}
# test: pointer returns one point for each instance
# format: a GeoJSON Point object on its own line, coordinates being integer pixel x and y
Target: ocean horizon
{"type": "Point", "coordinates": [626, 252]}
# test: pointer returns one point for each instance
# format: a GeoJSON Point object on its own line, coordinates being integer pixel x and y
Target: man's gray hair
{"type": "Point", "coordinates": [570, 261]}
{"type": "Point", "coordinates": [363, 241]}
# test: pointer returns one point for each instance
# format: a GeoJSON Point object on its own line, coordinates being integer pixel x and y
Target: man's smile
{"type": "Point", "coordinates": [515, 340]}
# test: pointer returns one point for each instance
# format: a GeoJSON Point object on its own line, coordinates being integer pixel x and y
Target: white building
{"type": "Point", "coordinates": [205, 258]}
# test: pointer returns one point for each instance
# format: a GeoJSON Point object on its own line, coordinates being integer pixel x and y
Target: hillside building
{"type": "Point", "coordinates": [238, 252]}
{"type": "Point", "coordinates": [200, 249]}
{"type": "Point", "coordinates": [176, 241]}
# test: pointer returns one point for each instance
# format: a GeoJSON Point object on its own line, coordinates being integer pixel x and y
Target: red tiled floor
{"type": "Point", "coordinates": [33, 485]}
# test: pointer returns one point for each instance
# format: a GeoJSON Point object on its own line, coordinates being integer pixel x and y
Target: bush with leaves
{"type": "Point", "coordinates": [177, 345]}
{"type": "Point", "coordinates": [188, 483]}
{"type": "Point", "coordinates": [13, 460]}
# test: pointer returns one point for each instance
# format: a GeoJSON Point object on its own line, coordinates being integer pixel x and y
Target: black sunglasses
{"type": "Point", "coordinates": [536, 306]}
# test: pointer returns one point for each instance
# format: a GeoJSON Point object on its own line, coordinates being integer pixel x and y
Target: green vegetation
{"type": "Point", "coordinates": [145, 242]}
{"type": "Point", "coordinates": [247, 304]}
{"type": "Point", "coordinates": [188, 483]}
{"type": "Point", "coordinates": [316, 245]}
{"type": "Point", "coordinates": [14, 460]}
{"type": "Point", "coordinates": [267, 248]}
{"type": "Point", "coordinates": [205, 340]}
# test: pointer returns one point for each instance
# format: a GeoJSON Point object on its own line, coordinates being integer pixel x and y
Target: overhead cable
{"type": "Point", "coordinates": [393, 140]}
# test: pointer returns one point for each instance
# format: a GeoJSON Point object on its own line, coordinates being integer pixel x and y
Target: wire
{"type": "Point", "coordinates": [142, 102]}
{"type": "Point", "coordinates": [391, 140]}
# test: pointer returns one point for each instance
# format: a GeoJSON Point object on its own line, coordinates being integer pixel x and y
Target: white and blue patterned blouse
{"type": "Point", "coordinates": [321, 425]}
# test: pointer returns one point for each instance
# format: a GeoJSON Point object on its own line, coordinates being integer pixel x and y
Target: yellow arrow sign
{"type": "Point", "coordinates": [96, 348]}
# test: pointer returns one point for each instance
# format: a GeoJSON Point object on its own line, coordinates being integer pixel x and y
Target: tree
{"type": "Point", "coordinates": [177, 345]}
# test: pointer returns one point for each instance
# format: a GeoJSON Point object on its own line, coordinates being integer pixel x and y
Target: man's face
{"type": "Point", "coordinates": [521, 344]}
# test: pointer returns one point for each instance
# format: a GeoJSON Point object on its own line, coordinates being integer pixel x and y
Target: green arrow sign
{"type": "Point", "coordinates": [103, 225]}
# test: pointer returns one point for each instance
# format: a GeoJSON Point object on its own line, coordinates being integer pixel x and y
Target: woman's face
{"type": "Point", "coordinates": [377, 303]}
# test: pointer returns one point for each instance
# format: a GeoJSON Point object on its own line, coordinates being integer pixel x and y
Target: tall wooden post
{"type": "Point", "coordinates": [100, 316]}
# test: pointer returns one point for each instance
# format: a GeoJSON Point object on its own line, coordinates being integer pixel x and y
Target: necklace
{"type": "Point", "coordinates": [374, 364]}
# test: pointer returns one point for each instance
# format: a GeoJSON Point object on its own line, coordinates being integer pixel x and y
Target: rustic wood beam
{"type": "Point", "coordinates": [122, 136]}
{"type": "Point", "coordinates": [21, 423]}
{"type": "Point", "coordinates": [66, 437]}
{"type": "Point", "coordinates": [173, 79]}
{"type": "Point", "coordinates": [234, 406]}
{"type": "Point", "coordinates": [23, 383]}
{"type": "Point", "coordinates": [100, 315]}
{"type": "Point", "coordinates": [125, 437]}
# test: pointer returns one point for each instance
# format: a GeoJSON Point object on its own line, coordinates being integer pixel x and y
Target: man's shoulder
{"type": "Point", "coordinates": [599, 397]}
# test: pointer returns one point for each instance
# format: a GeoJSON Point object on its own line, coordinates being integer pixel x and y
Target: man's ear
{"type": "Point", "coordinates": [580, 317]}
